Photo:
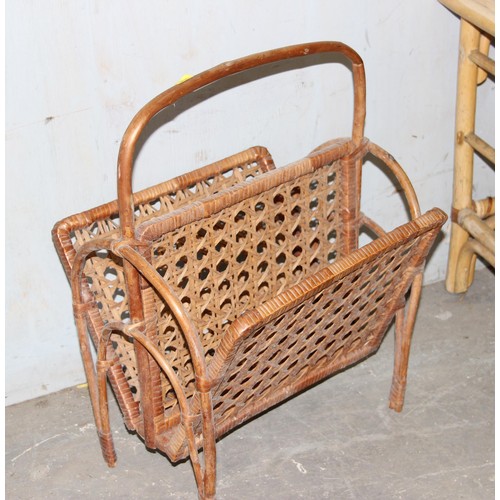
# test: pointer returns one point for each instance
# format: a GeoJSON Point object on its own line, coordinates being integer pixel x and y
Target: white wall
{"type": "Point", "coordinates": [77, 71]}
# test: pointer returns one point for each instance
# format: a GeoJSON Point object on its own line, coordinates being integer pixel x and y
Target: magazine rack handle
{"type": "Point", "coordinates": [168, 97]}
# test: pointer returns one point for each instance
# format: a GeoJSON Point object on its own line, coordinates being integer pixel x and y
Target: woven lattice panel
{"type": "Point", "coordinates": [171, 195]}
{"type": "Point", "coordinates": [104, 271]}
{"type": "Point", "coordinates": [321, 332]}
{"type": "Point", "coordinates": [237, 258]}
{"type": "Point", "coordinates": [325, 323]}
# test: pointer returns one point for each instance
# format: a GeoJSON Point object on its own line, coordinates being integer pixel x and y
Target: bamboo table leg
{"type": "Point", "coordinates": [460, 271]}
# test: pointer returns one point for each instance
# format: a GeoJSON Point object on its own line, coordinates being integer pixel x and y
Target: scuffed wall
{"type": "Point", "coordinates": [76, 72]}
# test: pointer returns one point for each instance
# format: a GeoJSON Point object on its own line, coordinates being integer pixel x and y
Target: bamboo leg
{"type": "Point", "coordinates": [209, 448]}
{"type": "Point", "coordinates": [105, 437]}
{"type": "Point", "coordinates": [463, 168]}
{"type": "Point", "coordinates": [474, 248]}
{"type": "Point", "coordinates": [403, 333]}
{"type": "Point", "coordinates": [94, 382]}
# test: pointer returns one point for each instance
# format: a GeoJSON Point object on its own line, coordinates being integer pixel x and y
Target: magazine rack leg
{"type": "Point", "coordinates": [403, 333]}
{"type": "Point", "coordinates": [105, 439]}
{"type": "Point", "coordinates": [105, 436]}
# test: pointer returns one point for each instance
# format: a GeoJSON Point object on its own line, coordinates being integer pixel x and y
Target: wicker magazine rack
{"type": "Point", "coordinates": [214, 296]}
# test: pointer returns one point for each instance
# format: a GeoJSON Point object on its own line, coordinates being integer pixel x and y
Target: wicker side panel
{"type": "Point", "coordinates": [237, 258]}
{"type": "Point", "coordinates": [337, 323]}
{"type": "Point", "coordinates": [316, 328]}
{"type": "Point", "coordinates": [160, 199]}
{"type": "Point", "coordinates": [104, 271]}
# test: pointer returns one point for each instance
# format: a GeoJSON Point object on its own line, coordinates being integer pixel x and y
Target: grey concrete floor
{"type": "Point", "coordinates": [337, 440]}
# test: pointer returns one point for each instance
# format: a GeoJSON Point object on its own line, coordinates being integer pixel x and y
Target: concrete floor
{"type": "Point", "coordinates": [337, 440]}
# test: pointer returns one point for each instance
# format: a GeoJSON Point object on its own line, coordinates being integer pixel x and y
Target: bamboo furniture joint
{"type": "Point", "coordinates": [218, 294]}
{"type": "Point", "coordinates": [473, 221]}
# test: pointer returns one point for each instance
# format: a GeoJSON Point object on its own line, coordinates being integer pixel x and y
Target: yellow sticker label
{"type": "Point", "coordinates": [185, 77]}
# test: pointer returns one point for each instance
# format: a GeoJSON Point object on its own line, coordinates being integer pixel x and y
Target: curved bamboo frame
{"type": "Point", "coordinates": [406, 316]}
{"type": "Point", "coordinates": [400, 174]}
{"type": "Point", "coordinates": [137, 266]}
{"type": "Point", "coordinates": [97, 382]}
{"type": "Point", "coordinates": [186, 417]}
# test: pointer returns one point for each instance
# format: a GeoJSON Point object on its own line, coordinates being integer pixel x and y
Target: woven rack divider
{"type": "Point", "coordinates": [239, 257]}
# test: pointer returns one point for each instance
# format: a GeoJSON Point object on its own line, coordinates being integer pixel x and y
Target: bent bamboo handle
{"type": "Point", "coordinates": [141, 119]}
